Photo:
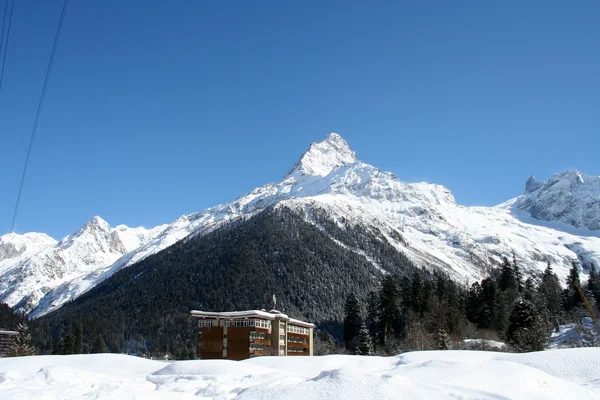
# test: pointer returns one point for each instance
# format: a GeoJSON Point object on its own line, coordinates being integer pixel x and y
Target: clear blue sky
{"type": "Point", "coordinates": [160, 108]}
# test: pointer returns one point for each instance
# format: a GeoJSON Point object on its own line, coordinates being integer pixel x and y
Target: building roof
{"type": "Point", "coordinates": [271, 315]}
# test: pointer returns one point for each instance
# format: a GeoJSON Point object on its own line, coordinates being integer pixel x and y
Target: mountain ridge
{"type": "Point", "coordinates": [328, 177]}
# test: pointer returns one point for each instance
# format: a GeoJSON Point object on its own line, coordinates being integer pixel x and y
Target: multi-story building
{"type": "Point", "coordinates": [243, 334]}
{"type": "Point", "coordinates": [7, 339]}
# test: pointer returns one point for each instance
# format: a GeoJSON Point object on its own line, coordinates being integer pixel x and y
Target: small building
{"type": "Point", "coordinates": [239, 335]}
{"type": "Point", "coordinates": [7, 340]}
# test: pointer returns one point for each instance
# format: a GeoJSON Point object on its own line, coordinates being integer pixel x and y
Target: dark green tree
{"type": "Point", "coordinates": [518, 275]}
{"type": "Point", "coordinates": [372, 317]}
{"type": "Point", "coordinates": [572, 297]}
{"type": "Point", "coordinates": [526, 330]}
{"type": "Point", "coordinates": [508, 279]}
{"type": "Point", "coordinates": [22, 344]}
{"type": "Point", "coordinates": [593, 283]}
{"type": "Point", "coordinates": [529, 290]}
{"type": "Point", "coordinates": [78, 339]}
{"type": "Point", "coordinates": [365, 344]}
{"type": "Point", "coordinates": [99, 345]}
{"type": "Point", "coordinates": [352, 321]}
{"type": "Point", "coordinates": [442, 339]}
{"type": "Point", "coordinates": [550, 294]}
{"type": "Point", "coordinates": [389, 313]}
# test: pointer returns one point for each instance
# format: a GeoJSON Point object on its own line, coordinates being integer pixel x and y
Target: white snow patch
{"type": "Point", "coordinates": [554, 374]}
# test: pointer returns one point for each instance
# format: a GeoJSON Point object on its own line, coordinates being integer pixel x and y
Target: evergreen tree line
{"type": "Point", "coordinates": [430, 311]}
{"type": "Point", "coordinates": [145, 308]}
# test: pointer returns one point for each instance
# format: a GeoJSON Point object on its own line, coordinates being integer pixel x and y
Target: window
{"type": "Point", "coordinates": [226, 323]}
{"type": "Point", "coordinates": [205, 323]}
{"type": "Point", "coordinates": [240, 322]}
{"type": "Point", "coordinates": [251, 322]}
{"type": "Point", "coordinates": [298, 329]}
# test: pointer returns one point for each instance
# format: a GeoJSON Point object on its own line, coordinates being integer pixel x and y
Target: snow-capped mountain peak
{"type": "Point", "coordinates": [421, 220]}
{"type": "Point", "coordinates": [571, 197]}
{"type": "Point", "coordinates": [31, 274]}
{"type": "Point", "coordinates": [324, 157]}
{"type": "Point", "coordinates": [15, 247]}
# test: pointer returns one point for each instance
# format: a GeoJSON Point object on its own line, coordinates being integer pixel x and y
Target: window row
{"type": "Point", "coordinates": [259, 323]}
{"type": "Point", "coordinates": [297, 340]}
{"type": "Point", "coordinates": [298, 329]}
{"type": "Point", "coordinates": [204, 323]}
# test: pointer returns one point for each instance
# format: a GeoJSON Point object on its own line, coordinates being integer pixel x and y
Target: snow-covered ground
{"type": "Point", "coordinates": [553, 374]}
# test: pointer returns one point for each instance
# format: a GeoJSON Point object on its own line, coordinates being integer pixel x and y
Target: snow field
{"type": "Point", "coordinates": [554, 374]}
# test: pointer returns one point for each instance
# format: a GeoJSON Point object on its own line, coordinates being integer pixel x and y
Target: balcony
{"type": "Point", "coordinates": [264, 342]}
{"type": "Point", "coordinates": [297, 346]}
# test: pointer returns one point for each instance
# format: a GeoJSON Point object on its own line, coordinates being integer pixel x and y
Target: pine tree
{"type": "Point", "coordinates": [508, 280]}
{"type": "Point", "coordinates": [551, 293]}
{"type": "Point", "coordinates": [593, 284]}
{"type": "Point", "coordinates": [67, 343]}
{"type": "Point", "coordinates": [372, 318]}
{"type": "Point", "coordinates": [442, 339]}
{"type": "Point", "coordinates": [22, 344]}
{"type": "Point", "coordinates": [365, 345]}
{"type": "Point", "coordinates": [529, 290]}
{"type": "Point", "coordinates": [573, 278]}
{"type": "Point", "coordinates": [352, 321]}
{"type": "Point", "coordinates": [99, 345]}
{"type": "Point", "coordinates": [389, 313]}
{"type": "Point", "coordinates": [518, 275]}
{"type": "Point", "coordinates": [78, 339]}
{"type": "Point", "coordinates": [526, 331]}
{"type": "Point", "coordinates": [572, 296]}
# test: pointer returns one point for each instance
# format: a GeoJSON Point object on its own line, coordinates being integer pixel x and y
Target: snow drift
{"type": "Point", "coordinates": [554, 374]}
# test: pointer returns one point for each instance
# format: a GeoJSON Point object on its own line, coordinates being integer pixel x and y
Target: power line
{"type": "Point", "coordinates": [3, 25]}
{"type": "Point", "coordinates": [39, 110]}
{"type": "Point", "coordinates": [12, 6]}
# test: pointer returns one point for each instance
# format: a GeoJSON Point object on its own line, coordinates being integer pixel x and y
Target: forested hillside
{"type": "Point", "coordinates": [145, 307]}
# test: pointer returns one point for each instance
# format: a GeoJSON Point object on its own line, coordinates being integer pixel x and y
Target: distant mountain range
{"type": "Point", "coordinates": [556, 221]}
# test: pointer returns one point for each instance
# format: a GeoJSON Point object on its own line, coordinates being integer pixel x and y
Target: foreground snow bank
{"type": "Point", "coordinates": [555, 374]}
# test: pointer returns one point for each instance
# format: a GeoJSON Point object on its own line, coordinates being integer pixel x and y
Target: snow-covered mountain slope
{"type": "Point", "coordinates": [95, 245]}
{"type": "Point", "coordinates": [570, 197]}
{"type": "Point", "coordinates": [15, 247]}
{"type": "Point", "coordinates": [420, 219]}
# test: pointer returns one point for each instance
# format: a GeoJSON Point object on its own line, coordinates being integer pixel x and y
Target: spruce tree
{"type": "Point", "coordinates": [22, 344]}
{"type": "Point", "coordinates": [572, 296]}
{"type": "Point", "coordinates": [99, 345]}
{"type": "Point", "coordinates": [352, 321]}
{"type": "Point", "coordinates": [508, 280]}
{"type": "Point", "coordinates": [593, 284]}
{"type": "Point", "coordinates": [78, 339]}
{"type": "Point", "coordinates": [389, 313]}
{"type": "Point", "coordinates": [442, 339]}
{"type": "Point", "coordinates": [372, 318]}
{"type": "Point", "coordinates": [526, 331]}
{"type": "Point", "coordinates": [529, 290]}
{"type": "Point", "coordinates": [550, 292]}
{"type": "Point", "coordinates": [365, 345]}
{"type": "Point", "coordinates": [518, 275]}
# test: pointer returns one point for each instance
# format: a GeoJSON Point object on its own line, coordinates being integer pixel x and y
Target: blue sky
{"type": "Point", "coordinates": [156, 109]}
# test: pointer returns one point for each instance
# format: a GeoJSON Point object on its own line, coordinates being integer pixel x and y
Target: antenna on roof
{"type": "Point", "coordinates": [274, 301]}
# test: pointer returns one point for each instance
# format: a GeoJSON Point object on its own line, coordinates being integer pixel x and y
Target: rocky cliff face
{"type": "Point", "coordinates": [570, 197]}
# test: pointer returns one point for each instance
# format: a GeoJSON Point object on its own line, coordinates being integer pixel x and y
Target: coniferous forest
{"type": "Point", "coordinates": [144, 309]}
